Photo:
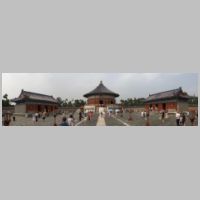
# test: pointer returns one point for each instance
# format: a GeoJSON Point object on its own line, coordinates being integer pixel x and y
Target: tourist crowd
{"type": "Point", "coordinates": [180, 117]}
{"type": "Point", "coordinates": [68, 119]}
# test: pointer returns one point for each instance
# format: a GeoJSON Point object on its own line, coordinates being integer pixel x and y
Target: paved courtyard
{"type": "Point", "coordinates": [106, 120]}
{"type": "Point", "coordinates": [91, 122]}
{"type": "Point", "coordinates": [154, 120]}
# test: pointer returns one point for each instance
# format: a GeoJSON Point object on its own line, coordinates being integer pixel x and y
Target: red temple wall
{"type": "Point", "coordinates": [96, 101]}
{"type": "Point", "coordinates": [171, 106]}
{"type": "Point", "coordinates": [159, 106]}
{"type": "Point", "coordinates": [40, 108]}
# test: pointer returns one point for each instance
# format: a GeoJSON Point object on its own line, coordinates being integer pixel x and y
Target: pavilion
{"type": "Point", "coordinates": [171, 101]}
{"type": "Point", "coordinates": [101, 96]}
{"type": "Point", "coordinates": [31, 102]}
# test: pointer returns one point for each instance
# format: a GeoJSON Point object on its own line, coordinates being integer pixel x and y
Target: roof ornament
{"type": "Point", "coordinates": [101, 82]}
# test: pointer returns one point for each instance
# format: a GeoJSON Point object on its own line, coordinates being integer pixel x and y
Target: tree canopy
{"type": "Point", "coordinates": [70, 103]}
{"type": "Point", "coordinates": [193, 101]}
{"type": "Point", "coordinates": [5, 101]}
{"type": "Point", "coordinates": [132, 102]}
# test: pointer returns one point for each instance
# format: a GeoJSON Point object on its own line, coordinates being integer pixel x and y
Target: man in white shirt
{"type": "Point", "coordinates": [178, 116]}
{"type": "Point", "coordinates": [71, 120]}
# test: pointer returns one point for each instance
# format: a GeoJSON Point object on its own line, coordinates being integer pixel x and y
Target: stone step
{"type": "Point", "coordinates": [101, 121]}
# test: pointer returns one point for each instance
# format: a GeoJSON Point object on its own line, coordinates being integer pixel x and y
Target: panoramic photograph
{"type": "Point", "coordinates": [99, 99]}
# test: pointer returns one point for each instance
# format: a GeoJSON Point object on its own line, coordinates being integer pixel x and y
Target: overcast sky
{"type": "Point", "coordinates": [74, 85]}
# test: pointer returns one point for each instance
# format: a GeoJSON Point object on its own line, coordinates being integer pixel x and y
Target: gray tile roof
{"type": "Point", "coordinates": [101, 89]}
{"type": "Point", "coordinates": [25, 95]}
{"type": "Point", "coordinates": [176, 93]}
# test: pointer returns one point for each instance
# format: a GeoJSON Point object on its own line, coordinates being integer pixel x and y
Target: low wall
{"type": "Point", "coordinates": [67, 109]}
{"type": "Point", "coordinates": [135, 109]}
{"type": "Point", "coordinates": [141, 109]}
{"type": "Point", "coordinates": [10, 109]}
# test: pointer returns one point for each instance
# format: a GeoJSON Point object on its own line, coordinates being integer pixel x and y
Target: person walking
{"type": "Point", "coordinates": [109, 112]}
{"type": "Point", "coordinates": [43, 115]}
{"type": "Point", "coordinates": [64, 122]}
{"type": "Point", "coordinates": [80, 116]}
{"type": "Point", "coordinates": [147, 118]}
{"type": "Point", "coordinates": [89, 115]}
{"type": "Point", "coordinates": [122, 113]}
{"type": "Point", "coordinates": [192, 118]}
{"type": "Point", "coordinates": [36, 117]}
{"type": "Point", "coordinates": [71, 120]}
{"type": "Point", "coordinates": [183, 119]}
{"type": "Point", "coordinates": [178, 118]}
{"type": "Point", "coordinates": [166, 115]}
{"type": "Point", "coordinates": [33, 119]}
{"type": "Point", "coordinates": [163, 116]}
{"type": "Point", "coordinates": [130, 118]}
{"type": "Point", "coordinates": [54, 116]}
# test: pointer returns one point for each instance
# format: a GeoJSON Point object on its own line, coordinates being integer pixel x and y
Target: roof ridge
{"type": "Point", "coordinates": [101, 84]}
{"type": "Point", "coordinates": [165, 91]}
{"type": "Point", "coordinates": [101, 88]}
{"type": "Point", "coordinates": [37, 93]}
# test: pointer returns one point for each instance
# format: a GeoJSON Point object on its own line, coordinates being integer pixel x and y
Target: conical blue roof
{"type": "Point", "coordinates": [101, 89]}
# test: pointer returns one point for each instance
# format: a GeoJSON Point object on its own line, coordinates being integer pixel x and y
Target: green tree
{"type": "Point", "coordinates": [60, 101]}
{"type": "Point", "coordinates": [5, 100]}
{"type": "Point", "coordinates": [71, 103]}
{"type": "Point", "coordinates": [193, 101]}
{"type": "Point", "coordinates": [132, 102]}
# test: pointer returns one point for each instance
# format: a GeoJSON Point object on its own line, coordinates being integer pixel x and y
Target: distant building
{"type": "Point", "coordinates": [101, 96]}
{"type": "Point", "coordinates": [30, 102]}
{"type": "Point", "coordinates": [172, 100]}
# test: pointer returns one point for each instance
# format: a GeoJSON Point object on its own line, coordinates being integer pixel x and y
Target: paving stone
{"type": "Point", "coordinates": [154, 120]}
{"type": "Point", "coordinates": [137, 120]}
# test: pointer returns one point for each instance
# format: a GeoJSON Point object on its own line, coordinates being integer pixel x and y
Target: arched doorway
{"type": "Point", "coordinates": [39, 108]}
{"type": "Point", "coordinates": [164, 106]}
{"type": "Point", "coordinates": [101, 102]}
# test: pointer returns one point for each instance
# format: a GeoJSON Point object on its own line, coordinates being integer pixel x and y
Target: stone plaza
{"type": "Point", "coordinates": [127, 119]}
